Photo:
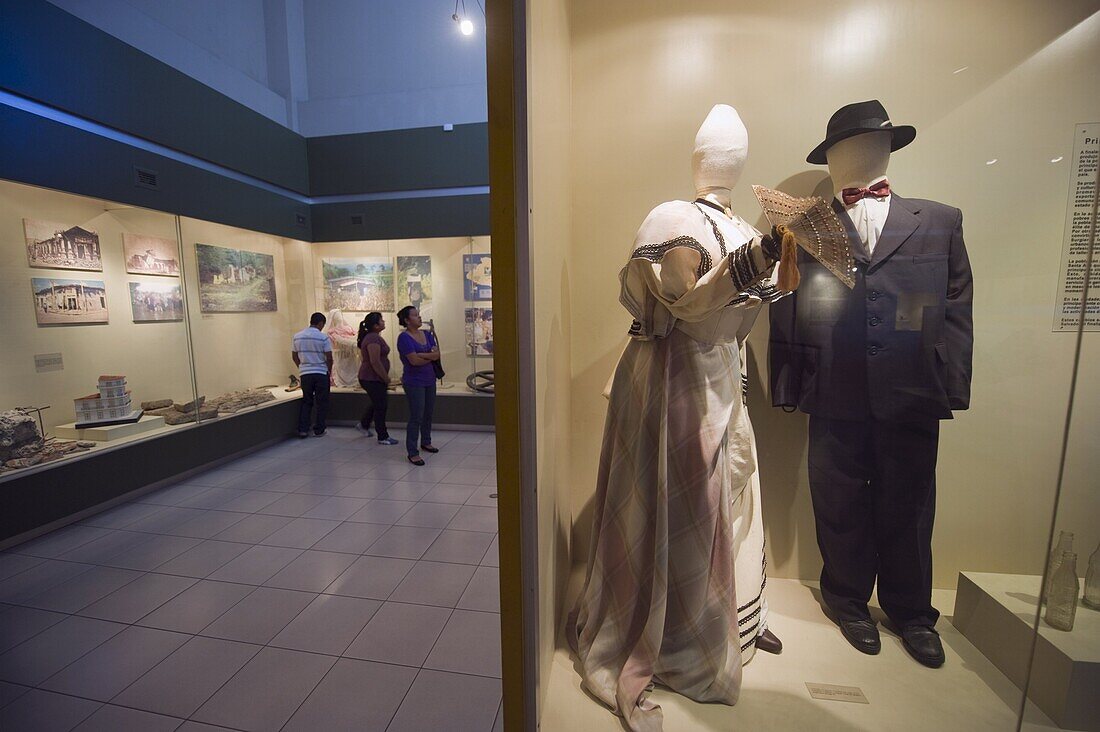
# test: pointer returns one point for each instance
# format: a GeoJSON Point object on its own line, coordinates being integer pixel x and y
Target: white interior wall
{"type": "Point", "coordinates": [1004, 80]}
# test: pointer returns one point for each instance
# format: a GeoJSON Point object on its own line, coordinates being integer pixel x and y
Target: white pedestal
{"type": "Point", "coordinates": [996, 612]}
{"type": "Point", "coordinates": [111, 432]}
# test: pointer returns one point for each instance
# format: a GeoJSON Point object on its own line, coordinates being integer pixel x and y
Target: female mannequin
{"type": "Point", "coordinates": [674, 589]}
{"type": "Point", "coordinates": [345, 354]}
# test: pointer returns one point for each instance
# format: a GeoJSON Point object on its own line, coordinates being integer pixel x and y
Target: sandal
{"type": "Point", "coordinates": [416, 459]}
{"type": "Point", "coordinates": [429, 448]}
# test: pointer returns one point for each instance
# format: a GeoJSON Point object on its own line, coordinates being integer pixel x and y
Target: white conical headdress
{"type": "Point", "coordinates": [721, 148]}
{"type": "Point", "coordinates": [336, 319]}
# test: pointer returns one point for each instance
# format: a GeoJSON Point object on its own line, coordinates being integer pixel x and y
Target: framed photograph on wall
{"type": "Point", "coordinates": [62, 301]}
{"type": "Point", "coordinates": [477, 277]}
{"type": "Point", "coordinates": [479, 331]}
{"type": "Point", "coordinates": [359, 284]}
{"type": "Point", "coordinates": [235, 280]}
{"type": "Point", "coordinates": [51, 245]}
{"type": "Point", "coordinates": [156, 301]}
{"type": "Point", "coordinates": [414, 284]}
{"type": "Point", "coordinates": [150, 255]}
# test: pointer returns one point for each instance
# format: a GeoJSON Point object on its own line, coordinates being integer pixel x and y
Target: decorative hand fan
{"type": "Point", "coordinates": [815, 226]}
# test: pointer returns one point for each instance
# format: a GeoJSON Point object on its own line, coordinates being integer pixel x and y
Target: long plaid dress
{"type": "Point", "coordinates": [674, 588]}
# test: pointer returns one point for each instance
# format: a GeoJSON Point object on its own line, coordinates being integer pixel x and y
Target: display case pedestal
{"type": "Point", "coordinates": [106, 433]}
{"type": "Point", "coordinates": [996, 612]}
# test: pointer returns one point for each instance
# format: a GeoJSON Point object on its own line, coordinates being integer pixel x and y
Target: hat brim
{"type": "Point", "coordinates": [901, 136]}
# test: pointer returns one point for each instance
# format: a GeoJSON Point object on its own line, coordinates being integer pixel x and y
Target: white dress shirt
{"type": "Point", "coordinates": [868, 216]}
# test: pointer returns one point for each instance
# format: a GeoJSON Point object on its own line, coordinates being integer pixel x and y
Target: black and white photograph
{"type": "Point", "coordinates": [52, 245]}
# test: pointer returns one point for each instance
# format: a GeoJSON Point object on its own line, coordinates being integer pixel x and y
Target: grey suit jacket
{"type": "Point", "coordinates": [897, 347]}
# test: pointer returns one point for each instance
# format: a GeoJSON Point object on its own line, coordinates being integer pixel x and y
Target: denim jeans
{"type": "Point", "coordinates": [315, 389]}
{"type": "Point", "coordinates": [376, 410]}
{"type": "Point", "coordinates": [421, 405]}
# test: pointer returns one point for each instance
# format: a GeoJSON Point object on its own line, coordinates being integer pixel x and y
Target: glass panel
{"type": "Point", "coordinates": [912, 484]}
{"type": "Point", "coordinates": [88, 289]}
{"type": "Point", "coordinates": [1062, 680]}
{"type": "Point", "coordinates": [447, 279]}
{"type": "Point", "coordinates": [243, 314]}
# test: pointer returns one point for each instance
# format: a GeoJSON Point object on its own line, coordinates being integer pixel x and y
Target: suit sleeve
{"type": "Point", "coordinates": [784, 362]}
{"type": "Point", "coordinates": [959, 321]}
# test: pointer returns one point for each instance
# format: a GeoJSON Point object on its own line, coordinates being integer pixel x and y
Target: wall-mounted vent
{"type": "Point", "coordinates": [357, 219]}
{"type": "Point", "coordinates": [145, 178]}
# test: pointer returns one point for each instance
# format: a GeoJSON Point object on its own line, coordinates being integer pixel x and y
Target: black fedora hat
{"type": "Point", "coordinates": [857, 119]}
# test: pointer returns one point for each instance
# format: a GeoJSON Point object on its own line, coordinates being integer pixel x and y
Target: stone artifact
{"type": "Point", "coordinates": [156, 404]}
{"type": "Point", "coordinates": [190, 406]}
{"type": "Point", "coordinates": [176, 416]}
{"type": "Point", "coordinates": [294, 384]}
{"type": "Point", "coordinates": [16, 430]}
{"type": "Point", "coordinates": [235, 401]}
{"type": "Point", "coordinates": [22, 445]}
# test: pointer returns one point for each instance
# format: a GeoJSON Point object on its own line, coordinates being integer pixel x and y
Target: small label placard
{"type": "Point", "coordinates": [44, 362]}
{"type": "Point", "coordinates": [832, 692]}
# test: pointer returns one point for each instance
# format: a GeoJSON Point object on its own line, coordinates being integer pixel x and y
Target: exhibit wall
{"type": "Point", "coordinates": [551, 282]}
{"type": "Point", "coordinates": [55, 354]}
{"type": "Point", "coordinates": [185, 309]}
{"type": "Point", "coordinates": [995, 91]}
{"type": "Point", "coordinates": [441, 273]}
{"type": "Point", "coordinates": [240, 333]}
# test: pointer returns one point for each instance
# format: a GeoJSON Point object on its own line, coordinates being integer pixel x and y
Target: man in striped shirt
{"type": "Point", "coordinates": [312, 353]}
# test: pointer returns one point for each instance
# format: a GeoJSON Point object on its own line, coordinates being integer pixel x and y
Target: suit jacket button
{"type": "Point", "coordinates": [873, 295]}
{"type": "Point", "coordinates": [875, 320]}
{"type": "Point", "coordinates": [872, 350]}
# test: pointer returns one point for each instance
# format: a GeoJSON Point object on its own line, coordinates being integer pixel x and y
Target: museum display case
{"type": "Point", "coordinates": [121, 324]}
{"type": "Point", "coordinates": [988, 335]}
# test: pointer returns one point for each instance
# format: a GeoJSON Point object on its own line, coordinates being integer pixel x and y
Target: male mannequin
{"type": "Point", "coordinates": [675, 581]}
{"type": "Point", "coordinates": [876, 368]}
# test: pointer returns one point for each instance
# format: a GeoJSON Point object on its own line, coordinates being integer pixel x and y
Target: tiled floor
{"type": "Point", "coordinates": [321, 584]}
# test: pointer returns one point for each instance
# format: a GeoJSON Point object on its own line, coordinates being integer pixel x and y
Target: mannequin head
{"type": "Point", "coordinates": [336, 319]}
{"type": "Point", "coordinates": [721, 148]}
{"type": "Point", "coordinates": [856, 161]}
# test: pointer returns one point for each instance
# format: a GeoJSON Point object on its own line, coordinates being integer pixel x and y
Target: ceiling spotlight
{"type": "Point", "coordinates": [465, 25]}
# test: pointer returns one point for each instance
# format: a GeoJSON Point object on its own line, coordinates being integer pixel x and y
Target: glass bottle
{"type": "Point", "coordinates": [1062, 602]}
{"type": "Point", "coordinates": [1065, 544]}
{"type": "Point", "coordinates": [1092, 581]}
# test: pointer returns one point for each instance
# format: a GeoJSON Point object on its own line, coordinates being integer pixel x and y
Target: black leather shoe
{"type": "Point", "coordinates": [923, 644]}
{"type": "Point", "coordinates": [768, 642]}
{"type": "Point", "coordinates": [863, 635]}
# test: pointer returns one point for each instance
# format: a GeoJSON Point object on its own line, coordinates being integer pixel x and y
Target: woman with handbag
{"type": "Point", "coordinates": [419, 352]}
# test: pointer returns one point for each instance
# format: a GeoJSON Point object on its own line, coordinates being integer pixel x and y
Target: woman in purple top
{"type": "Point", "coordinates": [374, 376]}
{"type": "Point", "coordinates": [418, 349]}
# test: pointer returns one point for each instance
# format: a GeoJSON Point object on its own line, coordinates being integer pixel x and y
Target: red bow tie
{"type": "Point", "coordinates": [878, 190]}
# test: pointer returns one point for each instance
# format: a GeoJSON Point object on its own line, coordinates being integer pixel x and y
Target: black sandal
{"type": "Point", "coordinates": [429, 448]}
{"type": "Point", "coordinates": [416, 459]}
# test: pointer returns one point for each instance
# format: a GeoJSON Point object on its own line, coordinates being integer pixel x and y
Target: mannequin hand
{"type": "Point", "coordinates": [772, 244]}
